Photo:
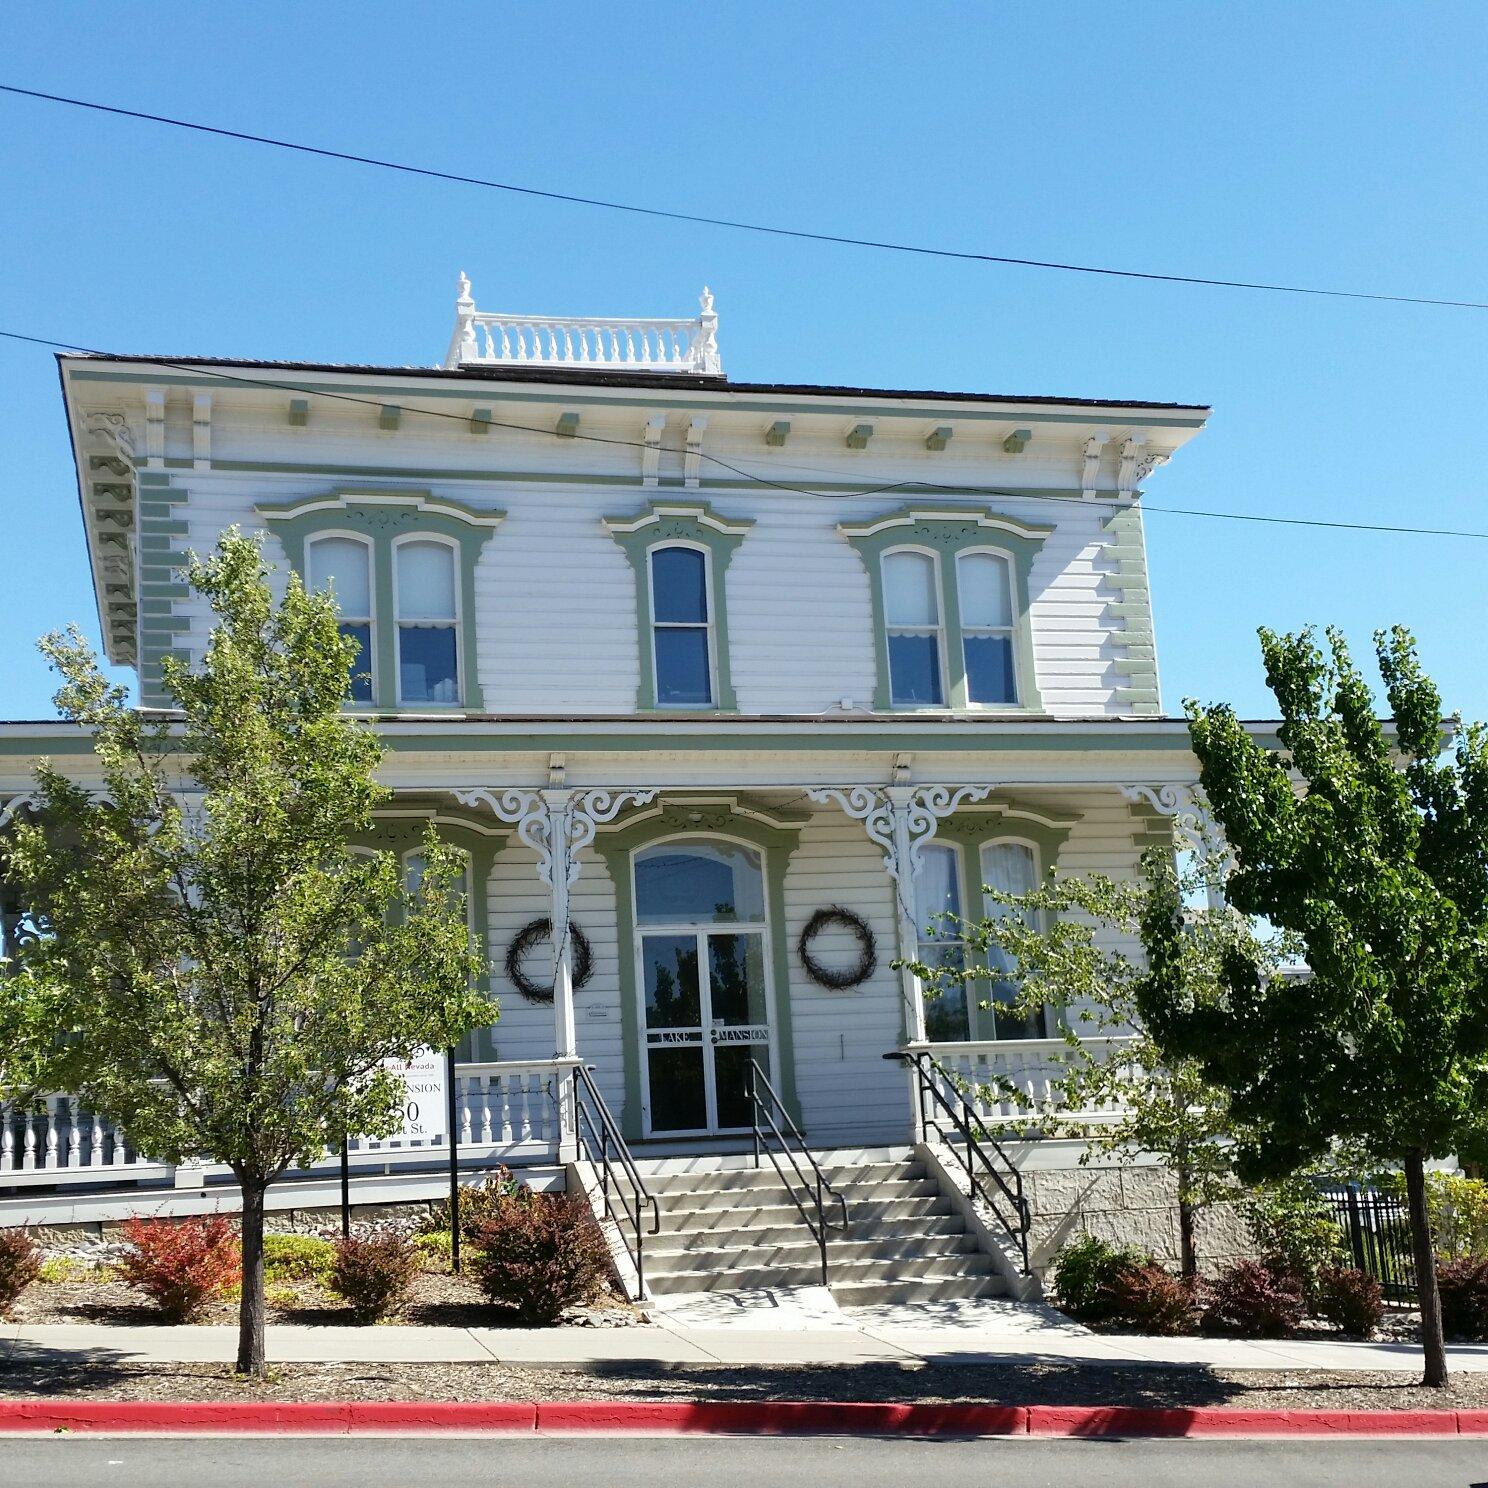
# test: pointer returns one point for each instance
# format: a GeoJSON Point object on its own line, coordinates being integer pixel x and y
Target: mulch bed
{"type": "Point", "coordinates": [1062, 1383]}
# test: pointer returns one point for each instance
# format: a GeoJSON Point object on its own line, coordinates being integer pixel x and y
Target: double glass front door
{"type": "Point", "coordinates": [700, 918]}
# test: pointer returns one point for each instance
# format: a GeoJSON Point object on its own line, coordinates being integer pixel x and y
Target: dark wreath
{"type": "Point", "coordinates": [850, 976]}
{"type": "Point", "coordinates": [526, 938]}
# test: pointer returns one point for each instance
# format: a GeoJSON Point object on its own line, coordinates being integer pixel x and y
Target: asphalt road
{"type": "Point", "coordinates": [721, 1462]}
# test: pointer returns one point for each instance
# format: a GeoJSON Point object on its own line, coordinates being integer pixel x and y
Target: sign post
{"type": "Point", "coordinates": [452, 1115]}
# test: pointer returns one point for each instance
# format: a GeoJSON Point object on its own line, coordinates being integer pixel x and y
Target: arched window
{"type": "Point", "coordinates": [701, 931]}
{"type": "Point", "coordinates": [1010, 868]}
{"type": "Point", "coordinates": [428, 622]}
{"type": "Point", "coordinates": [937, 889]}
{"type": "Point", "coordinates": [986, 597]}
{"type": "Point", "coordinates": [344, 566]}
{"type": "Point", "coordinates": [681, 627]}
{"type": "Point", "coordinates": [912, 616]}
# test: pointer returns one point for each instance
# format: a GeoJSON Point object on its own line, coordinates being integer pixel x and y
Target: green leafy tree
{"type": "Point", "coordinates": [213, 968]}
{"type": "Point", "coordinates": [1077, 946]}
{"type": "Point", "coordinates": [1370, 845]}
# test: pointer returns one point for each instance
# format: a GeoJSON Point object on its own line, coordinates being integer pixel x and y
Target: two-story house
{"type": "Point", "coordinates": [736, 684]}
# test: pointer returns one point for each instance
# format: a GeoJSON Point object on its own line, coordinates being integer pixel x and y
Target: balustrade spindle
{"type": "Point", "coordinates": [7, 1138]}
{"type": "Point", "coordinates": [74, 1133]}
{"type": "Point", "coordinates": [95, 1140]}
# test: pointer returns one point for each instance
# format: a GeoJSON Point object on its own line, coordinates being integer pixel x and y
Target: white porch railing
{"type": "Point", "coordinates": [489, 338]}
{"type": "Point", "coordinates": [507, 1111]}
{"type": "Point", "coordinates": [1033, 1067]}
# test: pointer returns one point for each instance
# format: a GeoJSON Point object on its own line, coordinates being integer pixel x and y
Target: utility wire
{"type": "Point", "coordinates": [934, 487]}
{"type": "Point", "coordinates": [672, 215]}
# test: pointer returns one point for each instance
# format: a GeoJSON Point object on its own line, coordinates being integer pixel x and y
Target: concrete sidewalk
{"type": "Point", "coordinates": [754, 1329]}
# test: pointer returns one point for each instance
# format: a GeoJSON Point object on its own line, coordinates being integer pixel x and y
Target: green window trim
{"type": "Point", "coordinates": [970, 830]}
{"type": "Point", "coordinates": [947, 535]}
{"type": "Point", "coordinates": [384, 518]}
{"type": "Point", "coordinates": [399, 829]}
{"type": "Point", "coordinates": [775, 834]}
{"type": "Point", "coordinates": [687, 524]}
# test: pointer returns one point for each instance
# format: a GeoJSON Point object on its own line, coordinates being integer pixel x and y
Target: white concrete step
{"type": "Point", "coordinates": [751, 1216]}
{"type": "Point", "coordinates": [780, 1226]}
{"type": "Point", "coordinates": [775, 1193]}
{"type": "Point", "coordinates": [939, 1289]}
{"type": "Point", "coordinates": [797, 1247]}
{"type": "Point", "coordinates": [746, 1180]}
{"type": "Point", "coordinates": [920, 1272]}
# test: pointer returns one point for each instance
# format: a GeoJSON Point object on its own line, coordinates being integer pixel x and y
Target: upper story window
{"type": "Point", "coordinates": [985, 587]}
{"type": "Point", "coordinates": [915, 636]}
{"type": "Point", "coordinates": [428, 622]}
{"type": "Point", "coordinates": [344, 566]}
{"type": "Point", "coordinates": [950, 590]}
{"type": "Point", "coordinates": [681, 627]}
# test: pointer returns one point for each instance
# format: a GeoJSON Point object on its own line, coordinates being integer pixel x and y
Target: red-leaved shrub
{"type": "Point", "coordinates": [1250, 1300]}
{"type": "Point", "coordinates": [1351, 1300]}
{"type": "Point", "coordinates": [1463, 1285]}
{"type": "Point", "coordinates": [540, 1253]}
{"type": "Point", "coordinates": [373, 1275]}
{"type": "Point", "coordinates": [182, 1265]}
{"type": "Point", "coordinates": [1149, 1299]}
{"type": "Point", "coordinates": [20, 1265]}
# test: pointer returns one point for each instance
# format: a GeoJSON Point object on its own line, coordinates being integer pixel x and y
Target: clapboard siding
{"type": "Point", "coordinates": [555, 597]}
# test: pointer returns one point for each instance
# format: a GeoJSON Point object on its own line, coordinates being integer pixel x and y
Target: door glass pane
{"type": "Point", "coordinates": [682, 671]}
{"type": "Point", "coordinates": [986, 599]}
{"type": "Point", "coordinates": [342, 564]}
{"type": "Point", "coordinates": [1010, 868]}
{"type": "Point", "coordinates": [670, 968]}
{"type": "Point", "coordinates": [938, 892]}
{"type": "Point", "coordinates": [909, 589]}
{"type": "Point", "coordinates": [427, 670]}
{"type": "Point", "coordinates": [679, 585]}
{"type": "Point", "coordinates": [731, 1080]}
{"type": "Point", "coordinates": [679, 1098]}
{"type": "Point", "coordinates": [989, 669]}
{"type": "Point", "coordinates": [914, 668]}
{"type": "Point", "coordinates": [736, 971]}
{"type": "Point", "coordinates": [426, 581]}
{"type": "Point", "coordinates": [361, 668]}
{"type": "Point", "coordinates": [699, 883]}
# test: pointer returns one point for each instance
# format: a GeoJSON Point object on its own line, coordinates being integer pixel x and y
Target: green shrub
{"type": "Point", "coordinates": [182, 1265]}
{"type": "Point", "coordinates": [1351, 1300]}
{"type": "Point", "coordinates": [59, 1270]}
{"type": "Point", "coordinates": [1456, 1209]}
{"type": "Point", "coordinates": [433, 1247]}
{"type": "Point", "coordinates": [539, 1254]}
{"type": "Point", "coordinates": [1463, 1285]}
{"type": "Point", "coordinates": [297, 1258]}
{"type": "Point", "coordinates": [1249, 1299]}
{"type": "Point", "coordinates": [1083, 1271]}
{"type": "Point", "coordinates": [373, 1275]}
{"type": "Point", "coordinates": [478, 1201]}
{"type": "Point", "coordinates": [20, 1265]}
{"type": "Point", "coordinates": [1293, 1230]}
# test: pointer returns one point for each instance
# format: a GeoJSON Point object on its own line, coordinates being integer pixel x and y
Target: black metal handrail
{"type": "Point", "coordinates": [599, 1138]}
{"type": "Point", "coordinates": [989, 1170]}
{"type": "Point", "coordinates": [816, 1186]}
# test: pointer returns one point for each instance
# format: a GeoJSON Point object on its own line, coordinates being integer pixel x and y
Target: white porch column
{"type": "Point", "coordinates": [1194, 823]}
{"type": "Point", "coordinates": [901, 819]}
{"type": "Point", "coordinates": [557, 823]}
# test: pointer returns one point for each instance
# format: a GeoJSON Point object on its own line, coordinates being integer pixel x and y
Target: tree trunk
{"type": "Point", "coordinates": [1432, 1343]}
{"type": "Point", "coordinates": [1188, 1255]}
{"type": "Point", "coordinates": [251, 1355]}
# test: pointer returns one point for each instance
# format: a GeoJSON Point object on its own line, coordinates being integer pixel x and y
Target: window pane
{"type": "Point", "coordinates": [990, 677]}
{"type": "Point", "coordinates": [936, 889]}
{"type": "Point", "coordinates": [909, 589]}
{"type": "Point", "coordinates": [699, 883]}
{"type": "Point", "coordinates": [1010, 868]}
{"type": "Point", "coordinates": [986, 598]}
{"type": "Point", "coordinates": [426, 581]}
{"type": "Point", "coordinates": [679, 585]}
{"type": "Point", "coordinates": [679, 1099]}
{"type": "Point", "coordinates": [914, 669]}
{"type": "Point", "coordinates": [361, 668]}
{"type": "Point", "coordinates": [344, 565]}
{"type": "Point", "coordinates": [736, 979]}
{"type": "Point", "coordinates": [946, 1018]}
{"type": "Point", "coordinates": [682, 666]}
{"type": "Point", "coordinates": [731, 1074]}
{"type": "Point", "coordinates": [426, 664]}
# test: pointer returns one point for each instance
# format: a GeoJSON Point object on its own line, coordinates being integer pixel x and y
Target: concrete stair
{"type": "Point", "coordinates": [727, 1226]}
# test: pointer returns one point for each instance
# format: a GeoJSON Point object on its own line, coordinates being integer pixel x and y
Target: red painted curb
{"type": "Point", "coordinates": [744, 1418]}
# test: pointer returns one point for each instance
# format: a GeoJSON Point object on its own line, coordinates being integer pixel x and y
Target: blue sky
{"type": "Point", "coordinates": [1328, 144]}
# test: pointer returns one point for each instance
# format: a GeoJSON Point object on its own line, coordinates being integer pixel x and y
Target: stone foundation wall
{"type": "Point", "coordinates": [1125, 1205]}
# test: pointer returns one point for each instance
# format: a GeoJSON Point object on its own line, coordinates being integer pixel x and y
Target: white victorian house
{"type": "Point", "coordinates": [737, 684]}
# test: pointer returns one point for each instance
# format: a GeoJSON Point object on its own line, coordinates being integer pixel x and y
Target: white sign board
{"type": "Point", "coordinates": [426, 1096]}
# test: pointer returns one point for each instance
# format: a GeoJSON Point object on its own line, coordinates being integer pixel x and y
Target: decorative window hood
{"type": "Point", "coordinates": [485, 338]}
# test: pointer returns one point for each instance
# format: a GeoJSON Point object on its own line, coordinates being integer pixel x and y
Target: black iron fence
{"type": "Point", "coordinates": [1377, 1235]}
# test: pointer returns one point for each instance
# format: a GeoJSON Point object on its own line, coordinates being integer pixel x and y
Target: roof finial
{"type": "Point", "coordinates": [464, 300]}
{"type": "Point", "coordinates": [706, 300]}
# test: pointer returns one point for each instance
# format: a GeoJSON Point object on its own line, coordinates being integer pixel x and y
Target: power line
{"type": "Point", "coordinates": [736, 224]}
{"type": "Point", "coordinates": [932, 487]}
